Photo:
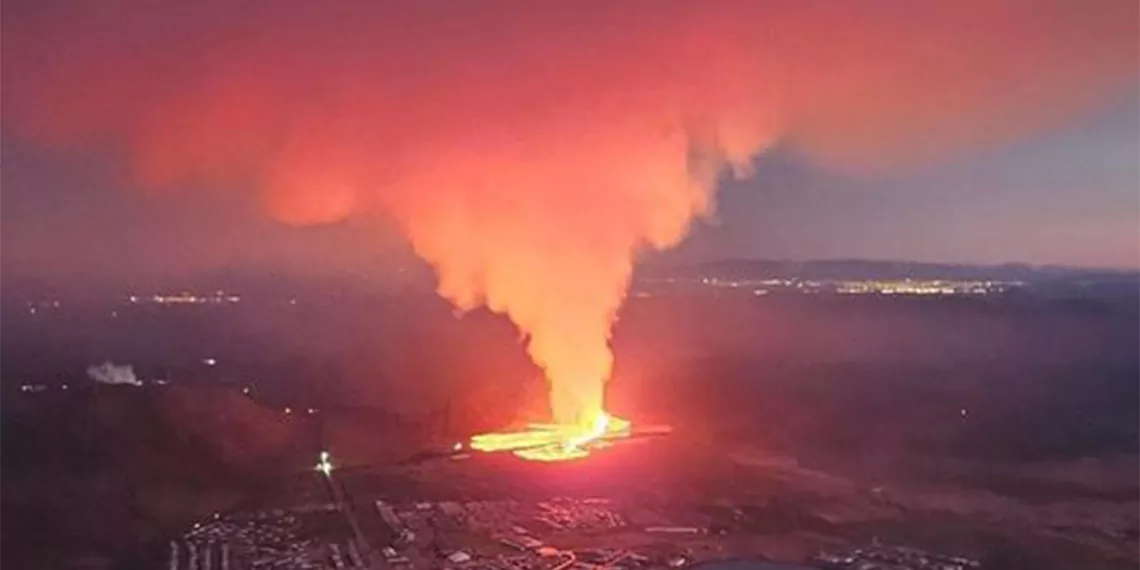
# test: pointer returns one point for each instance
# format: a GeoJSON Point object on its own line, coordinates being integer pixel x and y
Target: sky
{"type": "Point", "coordinates": [1068, 196]}
{"type": "Point", "coordinates": [1019, 144]}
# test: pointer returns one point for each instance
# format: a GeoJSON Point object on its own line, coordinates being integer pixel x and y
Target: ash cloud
{"type": "Point", "coordinates": [530, 150]}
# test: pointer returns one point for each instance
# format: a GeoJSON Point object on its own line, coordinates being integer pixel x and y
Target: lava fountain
{"type": "Point", "coordinates": [555, 442]}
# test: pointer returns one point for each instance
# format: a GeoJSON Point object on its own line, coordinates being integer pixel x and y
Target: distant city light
{"type": "Point", "coordinates": [187, 298]}
{"type": "Point", "coordinates": [900, 286]}
{"type": "Point", "coordinates": [288, 410]}
{"type": "Point", "coordinates": [209, 361]}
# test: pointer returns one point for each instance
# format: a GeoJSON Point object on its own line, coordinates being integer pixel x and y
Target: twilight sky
{"type": "Point", "coordinates": [165, 139]}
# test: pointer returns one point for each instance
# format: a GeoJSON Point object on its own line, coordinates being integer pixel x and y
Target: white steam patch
{"type": "Point", "coordinates": [109, 373]}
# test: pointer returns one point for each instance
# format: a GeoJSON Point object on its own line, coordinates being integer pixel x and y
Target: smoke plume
{"type": "Point", "coordinates": [109, 373]}
{"type": "Point", "coordinates": [530, 150]}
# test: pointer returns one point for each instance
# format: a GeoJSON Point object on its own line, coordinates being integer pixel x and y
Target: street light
{"type": "Point", "coordinates": [324, 464]}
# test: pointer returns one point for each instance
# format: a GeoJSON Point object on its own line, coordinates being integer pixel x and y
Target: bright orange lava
{"type": "Point", "coordinates": [555, 442]}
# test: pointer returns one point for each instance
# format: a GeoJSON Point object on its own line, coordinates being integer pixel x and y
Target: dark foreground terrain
{"type": "Point", "coordinates": [997, 427]}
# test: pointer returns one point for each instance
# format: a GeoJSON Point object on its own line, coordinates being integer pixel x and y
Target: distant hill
{"type": "Point", "coordinates": [884, 269]}
{"type": "Point", "coordinates": [193, 429]}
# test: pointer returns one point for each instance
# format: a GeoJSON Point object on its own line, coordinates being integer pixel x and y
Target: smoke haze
{"type": "Point", "coordinates": [528, 150]}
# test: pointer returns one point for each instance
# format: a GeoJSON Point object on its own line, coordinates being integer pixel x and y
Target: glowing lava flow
{"type": "Point", "coordinates": [554, 442]}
